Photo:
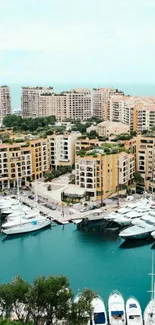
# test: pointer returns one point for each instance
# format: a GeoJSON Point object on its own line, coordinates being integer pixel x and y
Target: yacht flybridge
{"type": "Point", "coordinates": [133, 312]}
{"type": "Point", "coordinates": [116, 309]}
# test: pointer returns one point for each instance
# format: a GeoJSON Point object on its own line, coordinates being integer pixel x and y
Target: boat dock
{"type": "Point", "coordinates": [69, 215]}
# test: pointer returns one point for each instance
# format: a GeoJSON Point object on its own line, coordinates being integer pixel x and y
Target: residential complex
{"type": "Point", "coordinates": [100, 98]}
{"type": "Point", "coordinates": [100, 173]}
{"type": "Point", "coordinates": [108, 128]}
{"type": "Point", "coordinates": [40, 101]}
{"type": "Point", "coordinates": [5, 102]}
{"type": "Point", "coordinates": [35, 101]}
{"type": "Point", "coordinates": [29, 161]}
{"type": "Point", "coordinates": [62, 149]}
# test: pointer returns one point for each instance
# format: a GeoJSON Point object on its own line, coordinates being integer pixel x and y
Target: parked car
{"type": "Point", "coordinates": [31, 197]}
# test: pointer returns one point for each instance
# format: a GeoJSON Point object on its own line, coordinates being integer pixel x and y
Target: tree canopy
{"type": "Point", "coordinates": [27, 124]}
{"type": "Point", "coordinates": [47, 301]}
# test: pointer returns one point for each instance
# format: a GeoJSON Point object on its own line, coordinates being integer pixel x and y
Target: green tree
{"type": "Point", "coordinates": [36, 299]}
{"type": "Point", "coordinates": [20, 289]}
{"type": "Point", "coordinates": [6, 299]}
{"type": "Point", "coordinates": [81, 309]}
{"type": "Point", "coordinates": [138, 179]}
{"type": "Point", "coordinates": [58, 297]}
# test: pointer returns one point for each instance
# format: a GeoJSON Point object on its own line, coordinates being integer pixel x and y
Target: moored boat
{"type": "Point", "coordinates": [140, 231]}
{"type": "Point", "coordinates": [149, 313]}
{"type": "Point", "coordinates": [116, 309]}
{"type": "Point", "coordinates": [133, 312]}
{"type": "Point", "coordinates": [99, 315]}
{"type": "Point", "coordinates": [28, 227]}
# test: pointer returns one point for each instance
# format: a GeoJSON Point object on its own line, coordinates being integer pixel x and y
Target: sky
{"type": "Point", "coordinates": [64, 41]}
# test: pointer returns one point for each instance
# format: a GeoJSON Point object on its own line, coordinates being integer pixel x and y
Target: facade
{"type": "Point", "coordinates": [145, 157]}
{"type": "Point", "coordinates": [62, 149]}
{"type": "Point", "coordinates": [5, 102]}
{"type": "Point", "coordinates": [41, 101]}
{"type": "Point", "coordinates": [101, 174]}
{"type": "Point", "coordinates": [40, 158]}
{"type": "Point", "coordinates": [14, 159]}
{"type": "Point", "coordinates": [144, 117]}
{"type": "Point", "coordinates": [108, 128]}
{"type": "Point", "coordinates": [30, 162]}
{"type": "Point", "coordinates": [35, 101]}
{"type": "Point", "coordinates": [121, 109]}
{"type": "Point", "coordinates": [100, 98]}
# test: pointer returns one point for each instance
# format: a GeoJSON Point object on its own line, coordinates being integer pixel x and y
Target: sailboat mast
{"type": "Point", "coordinates": [152, 278]}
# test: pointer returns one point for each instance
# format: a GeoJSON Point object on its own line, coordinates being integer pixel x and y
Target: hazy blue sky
{"type": "Point", "coordinates": [77, 41]}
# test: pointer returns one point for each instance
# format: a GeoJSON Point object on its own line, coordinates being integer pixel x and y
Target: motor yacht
{"type": "Point", "coordinates": [116, 309]}
{"type": "Point", "coordinates": [141, 231]}
{"type": "Point", "coordinates": [127, 219]}
{"type": "Point", "coordinates": [133, 312]}
{"type": "Point", "coordinates": [99, 312]}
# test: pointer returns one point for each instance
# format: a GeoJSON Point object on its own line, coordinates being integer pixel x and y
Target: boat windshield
{"type": "Point", "coordinates": [132, 306]}
{"type": "Point", "coordinates": [99, 318]}
{"type": "Point", "coordinates": [117, 313]}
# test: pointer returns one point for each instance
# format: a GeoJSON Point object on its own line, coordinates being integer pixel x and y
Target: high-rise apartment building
{"type": "Point", "coordinates": [5, 102]}
{"type": "Point", "coordinates": [35, 101]}
{"type": "Point", "coordinates": [62, 149]}
{"type": "Point", "coordinates": [100, 98]}
{"type": "Point", "coordinates": [144, 117]}
{"type": "Point", "coordinates": [40, 101]}
{"type": "Point", "coordinates": [97, 173]}
{"type": "Point", "coordinates": [14, 160]}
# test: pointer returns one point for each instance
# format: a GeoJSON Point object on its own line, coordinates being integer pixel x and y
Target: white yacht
{"type": "Point", "coordinates": [143, 230]}
{"type": "Point", "coordinates": [127, 219]}
{"type": "Point", "coordinates": [27, 227]}
{"type": "Point", "coordinates": [27, 218]}
{"type": "Point", "coordinates": [99, 312]}
{"type": "Point", "coordinates": [116, 309]}
{"type": "Point", "coordinates": [8, 203]}
{"type": "Point", "coordinates": [133, 312]}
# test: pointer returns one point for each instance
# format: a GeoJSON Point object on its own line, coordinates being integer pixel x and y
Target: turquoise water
{"type": "Point", "coordinates": [88, 260]}
{"type": "Point", "coordinates": [129, 89]}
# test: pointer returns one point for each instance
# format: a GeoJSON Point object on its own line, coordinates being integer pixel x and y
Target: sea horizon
{"type": "Point", "coordinates": [133, 89]}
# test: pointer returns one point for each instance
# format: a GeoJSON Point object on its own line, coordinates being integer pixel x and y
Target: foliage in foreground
{"type": "Point", "coordinates": [47, 301]}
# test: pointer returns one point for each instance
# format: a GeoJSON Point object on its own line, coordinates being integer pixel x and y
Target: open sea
{"type": "Point", "coordinates": [87, 259]}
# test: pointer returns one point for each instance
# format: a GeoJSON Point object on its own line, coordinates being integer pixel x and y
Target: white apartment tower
{"type": "Point", "coordinates": [35, 101]}
{"type": "Point", "coordinates": [5, 102]}
{"type": "Point", "coordinates": [100, 98]}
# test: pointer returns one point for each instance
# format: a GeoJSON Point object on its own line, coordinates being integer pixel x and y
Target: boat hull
{"type": "Point", "coordinates": [22, 230]}
{"type": "Point", "coordinates": [137, 236]}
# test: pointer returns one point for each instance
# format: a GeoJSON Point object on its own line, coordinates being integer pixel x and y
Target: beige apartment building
{"type": "Point", "coordinates": [14, 160]}
{"type": "Point", "coordinates": [35, 101]}
{"type": "Point", "coordinates": [41, 101]}
{"type": "Point", "coordinates": [100, 98]}
{"type": "Point", "coordinates": [121, 109]}
{"type": "Point", "coordinates": [144, 117]}
{"type": "Point", "coordinates": [100, 173]}
{"type": "Point", "coordinates": [145, 156]}
{"type": "Point", "coordinates": [29, 159]}
{"type": "Point", "coordinates": [5, 102]}
{"type": "Point", "coordinates": [108, 128]}
{"type": "Point", "coordinates": [62, 149]}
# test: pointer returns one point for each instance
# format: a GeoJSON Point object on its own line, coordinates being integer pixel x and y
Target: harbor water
{"type": "Point", "coordinates": [100, 262]}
